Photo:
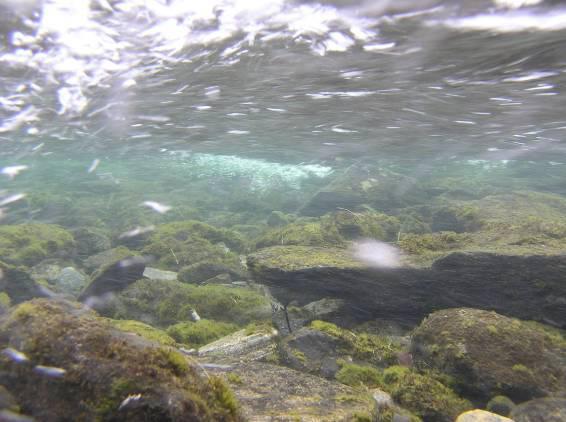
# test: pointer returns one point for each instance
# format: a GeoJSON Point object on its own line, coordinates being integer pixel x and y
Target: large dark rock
{"type": "Point", "coordinates": [114, 278]}
{"type": "Point", "coordinates": [488, 354]}
{"type": "Point", "coordinates": [527, 287]}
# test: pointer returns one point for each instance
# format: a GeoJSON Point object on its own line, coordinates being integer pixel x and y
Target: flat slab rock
{"type": "Point", "coordinates": [271, 393]}
{"type": "Point", "coordinates": [526, 287]}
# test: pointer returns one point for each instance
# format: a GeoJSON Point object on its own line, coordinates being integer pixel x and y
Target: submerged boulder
{"type": "Point", "coordinates": [320, 347]}
{"type": "Point", "coordinates": [332, 230]}
{"type": "Point", "coordinates": [489, 354]}
{"type": "Point", "coordinates": [162, 303]}
{"type": "Point", "coordinates": [178, 244]}
{"type": "Point", "coordinates": [269, 392]}
{"type": "Point", "coordinates": [64, 363]}
{"type": "Point", "coordinates": [90, 241]}
{"type": "Point", "coordinates": [527, 287]}
{"type": "Point", "coordinates": [29, 244]}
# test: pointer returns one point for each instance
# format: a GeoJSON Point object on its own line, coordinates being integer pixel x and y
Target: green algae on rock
{"type": "Point", "coordinates": [182, 243]}
{"type": "Point", "coordinates": [502, 405]}
{"type": "Point", "coordinates": [377, 350]}
{"type": "Point", "coordinates": [102, 374]}
{"type": "Point", "coordinates": [28, 244]}
{"type": "Point", "coordinates": [163, 303]}
{"type": "Point", "coordinates": [524, 286]}
{"type": "Point", "coordinates": [332, 230]}
{"type": "Point", "coordinates": [423, 395]}
{"type": "Point", "coordinates": [515, 223]}
{"type": "Point", "coordinates": [199, 333]}
{"type": "Point", "coordinates": [293, 258]}
{"type": "Point", "coordinates": [489, 354]}
{"type": "Point", "coordinates": [144, 330]}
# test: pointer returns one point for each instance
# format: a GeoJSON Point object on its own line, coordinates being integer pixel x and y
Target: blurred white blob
{"type": "Point", "coordinates": [13, 171]}
{"type": "Point", "coordinates": [12, 198]}
{"type": "Point", "coordinates": [131, 398]}
{"type": "Point", "coordinates": [129, 83]}
{"type": "Point", "coordinates": [14, 355]}
{"type": "Point", "coordinates": [515, 4]}
{"type": "Point", "coordinates": [137, 231]}
{"type": "Point", "coordinates": [49, 371]}
{"type": "Point", "coordinates": [194, 316]}
{"type": "Point", "coordinates": [377, 254]}
{"type": "Point", "coordinates": [510, 21]}
{"type": "Point", "coordinates": [157, 207]}
{"type": "Point", "coordinates": [94, 165]}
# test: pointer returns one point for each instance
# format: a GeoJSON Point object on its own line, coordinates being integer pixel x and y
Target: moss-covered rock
{"type": "Point", "coordinates": [323, 348]}
{"type": "Point", "coordinates": [359, 375]}
{"type": "Point", "coordinates": [419, 393]}
{"type": "Point", "coordinates": [163, 303]}
{"type": "Point", "coordinates": [501, 405]}
{"type": "Point", "coordinates": [81, 368]}
{"type": "Point", "coordinates": [293, 258]}
{"type": "Point", "coordinates": [183, 243]}
{"type": "Point", "coordinates": [90, 241]}
{"type": "Point", "coordinates": [28, 244]}
{"type": "Point", "coordinates": [278, 219]}
{"type": "Point", "coordinates": [423, 395]}
{"type": "Point", "coordinates": [490, 354]}
{"type": "Point", "coordinates": [516, 223]}
{"type": "Point", "coordinates": [377, 350]}
{"type": "Point", "coordinates": [204, 270]}
{"type": "Point", "coordinates": [199, 333]}
{"type": "Point", "coordinates": [275, 393]}
{"type": "Point", "coordinates": [332, 230]}
{"type": "Point", "coordinates": [144, 330]}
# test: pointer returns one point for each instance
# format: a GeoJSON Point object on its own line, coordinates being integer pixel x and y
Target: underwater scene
{"type": "Point", "coordinates": [283, 210]}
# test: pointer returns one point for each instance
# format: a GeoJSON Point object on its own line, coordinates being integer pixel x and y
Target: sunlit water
{"type": "Point", "coordinates": [126, 114]}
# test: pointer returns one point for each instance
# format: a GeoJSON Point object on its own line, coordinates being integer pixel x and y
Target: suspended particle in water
{"type": "Point", "coordinates": [137, 231]}
{"type": "Point", "coordinates": [156, 206]}
{"type": "Point", "coordinates": [128, 400]}
{"type": "Point", "coordinates": [94, 165]}
{"type": "Point", "coordinates": [15, 355]}
{"type": "Point", "coordinates": [12, 198]}
{"type": "Point", "coordinates": [50, 371]}
{"type": "Point", "coordinates": [13, 171]}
